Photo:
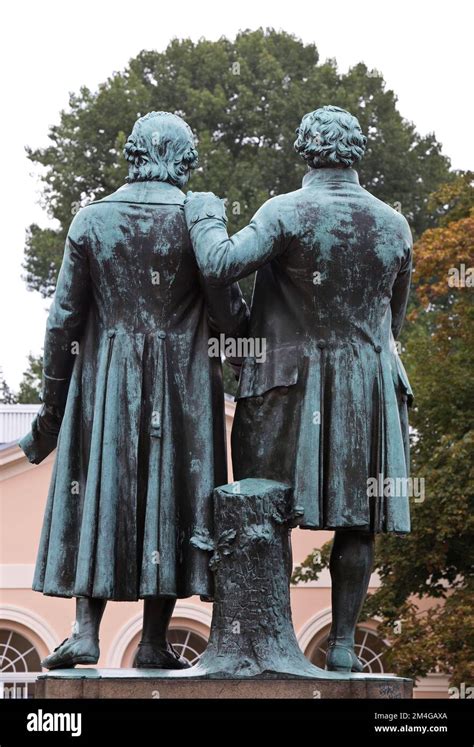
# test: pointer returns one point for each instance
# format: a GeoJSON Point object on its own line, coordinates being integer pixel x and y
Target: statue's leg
{"type": "Point", "coordinates": [89, 614]}
{"type": "Point", "coordinates": [157, 614]}
{"type": "Point", "coordinates": [350, 565]}
{"type": "Point", "coordinates": [83, 646]}
{"type": "Point", "coordinates": [154, 651]}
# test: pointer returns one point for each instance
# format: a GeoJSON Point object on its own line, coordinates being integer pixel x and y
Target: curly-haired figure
{"type": "Point", "coordinates": [136, 400]}
{"type": "Point", "coordinates": [326, 411]}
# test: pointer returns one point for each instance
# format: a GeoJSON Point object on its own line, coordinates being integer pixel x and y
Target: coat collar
{"type": "Point", "coordinates": [317, 177]}
{"type": "Point", "coordinates": [151, 192]}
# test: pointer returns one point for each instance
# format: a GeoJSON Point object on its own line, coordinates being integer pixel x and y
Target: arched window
{"type": "Point", "coordinates": [17, 653]}
{"type": "Point", "coordinates": [369, 647]}
{"type": "Point", "coordinates": [188, 642]}
{"type": "Point", "coordinates": [19, 664]}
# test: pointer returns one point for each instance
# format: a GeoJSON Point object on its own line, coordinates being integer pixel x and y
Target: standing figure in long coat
{"type": "Point", "coordinates": [136, 400]}
{"type": "Point", "coordinates": [326, 411]}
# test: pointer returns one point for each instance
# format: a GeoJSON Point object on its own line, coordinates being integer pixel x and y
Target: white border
{"type": "Point", "coordinates": [312, 626]}
{"type": "Point", "coordinates": [30, 620]}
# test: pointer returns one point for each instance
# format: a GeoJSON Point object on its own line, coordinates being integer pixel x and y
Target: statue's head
{"type": "Point", "coordinates": [161, 147]}
{"type": "Point", "coordinates": [330, 137]}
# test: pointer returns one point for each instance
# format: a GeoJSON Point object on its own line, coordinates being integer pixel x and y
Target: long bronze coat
{"type": "Point", "coordinates": [326, 411]}
{"type": "Point", "coordinates": [142, 442]}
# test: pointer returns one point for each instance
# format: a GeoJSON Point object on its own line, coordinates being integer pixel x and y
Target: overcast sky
{"type": "Point", "coordinates": [422, 47]}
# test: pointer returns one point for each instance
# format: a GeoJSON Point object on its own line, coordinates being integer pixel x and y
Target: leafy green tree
{"type": "Point", "coordinates": [30, 385]}
{"type": "Point", "coordinates": [426, 598]}
{"type": "Point", "coordinates": [244, 99]}
{"type": "Point", "coordinates": [7, 396]}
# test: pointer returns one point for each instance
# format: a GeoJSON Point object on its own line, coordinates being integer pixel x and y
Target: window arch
{"type": "Point", "coordinates": [25, 639]}
{"type": "Point", "coordinates": [369, 647]}
{"type": "Point", "coordinates": [188, 643]}
{"type": "Point", "coordinates": [20, 663]}
{"type": "Point", "coordinates": [28, 623]}
{"type": "Point", "coordinates": [187, 617]}
{"type": "Point", "coordinates": [186, 638]}
{"type": "Point", "coordinates": [17, 653]}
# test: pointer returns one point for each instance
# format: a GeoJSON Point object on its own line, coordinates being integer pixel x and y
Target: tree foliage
{"type": "Point", "coordinates": [7, 396]}
{"type": "Point", "coordinates": [244, 99]}
{"type": "Point", "coordinates": [29, 392]}
{"type": "Point", "coordinates": [30, 385]}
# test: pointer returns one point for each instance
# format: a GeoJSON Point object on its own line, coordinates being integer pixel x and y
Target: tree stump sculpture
{"type": "Point", "coordinates": [252, 631]}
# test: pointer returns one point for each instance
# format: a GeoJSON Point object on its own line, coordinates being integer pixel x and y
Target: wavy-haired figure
{"type": "Point", "coordinates": [136, 400]}
{"type": "Point", "coordinates": [326, 412]}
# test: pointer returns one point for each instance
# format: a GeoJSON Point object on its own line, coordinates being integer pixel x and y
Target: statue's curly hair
{"type": "Point", "coordinates": [330, 136]}
{"type": "Point", "coordinates": [162, 148]}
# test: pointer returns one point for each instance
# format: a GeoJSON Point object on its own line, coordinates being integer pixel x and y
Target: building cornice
{"type": "Point", "coordinates": [13, 462]}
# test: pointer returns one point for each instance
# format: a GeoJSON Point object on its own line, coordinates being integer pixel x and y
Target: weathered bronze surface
{"type": "Point", "coordinates": [139, 402]}
{"type": "Point", "coordinates": [252, 631]}
{"type": "Point", "coordinates": [326, 411]}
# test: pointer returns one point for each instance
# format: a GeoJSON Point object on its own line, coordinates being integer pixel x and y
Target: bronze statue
{"type": "Point", "coordinates": [136, 400]}
{"type": "Point", "coordinates": [326, 411]}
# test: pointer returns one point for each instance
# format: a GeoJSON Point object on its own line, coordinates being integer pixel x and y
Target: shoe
{"type": "Point", "coordinates": [341, 658]}
{"type": "Point", "coordinates": [154, 656]}
{"type": "Point", "coordinates": [72, 651]}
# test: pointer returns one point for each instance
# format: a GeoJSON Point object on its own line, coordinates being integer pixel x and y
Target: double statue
{"type": "Point", "coordinates": [135, 404]}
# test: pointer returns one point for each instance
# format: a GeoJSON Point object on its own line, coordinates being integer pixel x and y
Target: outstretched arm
{"type": "Point", "coordinates": [221, 259]}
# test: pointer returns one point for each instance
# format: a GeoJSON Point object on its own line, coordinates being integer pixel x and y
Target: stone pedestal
{"type": "Point", "coordinates": [136, 683]}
